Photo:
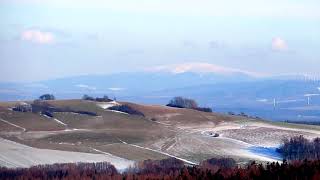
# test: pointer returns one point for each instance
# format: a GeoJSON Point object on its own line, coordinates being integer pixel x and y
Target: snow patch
{"type": "Point", "coordinates": [118, 112]}
{"type": "Point", "coordinates": [64, 143]}
{"type": "Point", "coordinates": [14, 155]}
{"type": "Point", "coordinates": [106, 105]}
{"type": "Point", "coordinates": [75, 129]}
{"type": "Point", "coordinates": [46, 116]}
{"type": "Point", "coordinates": [60, 122]}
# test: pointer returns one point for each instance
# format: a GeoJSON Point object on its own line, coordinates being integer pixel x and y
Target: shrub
{"type": "Point", "coordinates": [180, 102]}
{"type": "Point", "coordinates": [87, 98]}
{"type": "Point", "coordinates": [103, 99]}
{"type": "Point", "coordinates": [47, 97]}
{"type": "Point", "coordinates": [39, 106]}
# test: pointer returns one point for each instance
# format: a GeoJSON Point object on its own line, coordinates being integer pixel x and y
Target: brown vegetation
{"type": "Point", "coordinates": [168, 169]}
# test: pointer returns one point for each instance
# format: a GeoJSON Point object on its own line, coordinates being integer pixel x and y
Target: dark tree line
{"type": "Point", "coordinates": [98, 99]}
{"type": "Point", "coordinates": [220, 163]}
{"type": "Point", "coordinates": [43, 107]}
{"type": "Point", "coordinates": [170, 169]}
{"type": "Point", "coordinates": [181, 102]}
{"type": "Point", "coordinates": [47, 97]}
{"type": "Point", "coordinates": [298, 148]}
{"type": "Point", "coordinates": [62, 171]}
{"type": "Point", "coordinates": [305, 122]}
{"type": "Point", "coordinates": [126, 109]}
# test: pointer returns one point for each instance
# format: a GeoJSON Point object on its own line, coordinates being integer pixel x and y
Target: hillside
{"type": "Point", "coordinates": [121, 138]}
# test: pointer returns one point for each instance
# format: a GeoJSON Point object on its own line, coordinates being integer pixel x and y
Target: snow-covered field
{"type": "Point", "coordinates": [244, 139]}
{"type": "Point", "coordinates": [13, 155]}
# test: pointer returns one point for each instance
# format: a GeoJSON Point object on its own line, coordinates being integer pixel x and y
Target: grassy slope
{"type": "Point", "coordinates": [169, 130]}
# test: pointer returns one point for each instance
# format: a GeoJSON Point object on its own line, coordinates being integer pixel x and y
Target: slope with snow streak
{"type": "Point", "coordinates": [23, 129]}
{"type": "Point", "coordinates": [14, 155]}
{"type": "Point", "coordinates": [60, 122]}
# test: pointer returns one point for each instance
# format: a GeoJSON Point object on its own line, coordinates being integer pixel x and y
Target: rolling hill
{"type": "Point", "coordinates": [122, 139]}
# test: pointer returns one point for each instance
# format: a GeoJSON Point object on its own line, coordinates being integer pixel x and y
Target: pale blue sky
{"type": "Point", "coordinates": [42, 39]}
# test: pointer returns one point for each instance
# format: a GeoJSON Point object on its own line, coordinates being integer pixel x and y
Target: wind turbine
{"type": "Point", "coordinates": [309, 97]}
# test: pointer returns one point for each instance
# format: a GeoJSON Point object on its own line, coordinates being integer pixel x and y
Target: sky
{"type": "Point", "coordinates": [42, 39]}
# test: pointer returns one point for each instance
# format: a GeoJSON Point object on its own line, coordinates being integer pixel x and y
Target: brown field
{"type": "Point", "coordinates": [163, 132]}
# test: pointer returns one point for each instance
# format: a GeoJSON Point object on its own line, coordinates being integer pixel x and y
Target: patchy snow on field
{"type": "Point", "coordinates": [158, 151]}
{"type": "Point", "coordinates": [14, 155]}
{"type": "Point", "coordinates": [56, 120]}
{"type": "Point", "coordinates": [106, 105]}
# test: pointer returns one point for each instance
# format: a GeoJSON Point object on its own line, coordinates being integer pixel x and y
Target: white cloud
{"type": "Point", "coordinates": [84, 86]}
{"type": "Point", "coordinates": [37, 36]}
{"type": "Point", "coordinates": [200, 68]}
{"type": "Point", "coordinates": [262, 100]}
{"type": "Point", "coordinates": [116, 89]}
{"type": "Point", "coordinates": [279, 44]}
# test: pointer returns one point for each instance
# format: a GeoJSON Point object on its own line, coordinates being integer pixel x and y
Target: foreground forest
{"type": "Point", "coordinates": [170, 169]}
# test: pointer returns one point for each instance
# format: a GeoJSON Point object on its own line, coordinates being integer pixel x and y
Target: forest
{"type": "Point", "coordinates": [170, 169]}
{"type": "Point", "coordinates": [300, 148]}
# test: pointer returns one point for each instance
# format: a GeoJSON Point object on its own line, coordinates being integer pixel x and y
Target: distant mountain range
{"type": "Point", "coordinates": [202, 85]}
{"type": "Point", "coordinates": [123, 84]}
{"type": "Point", "coordinates": [223, 90]}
